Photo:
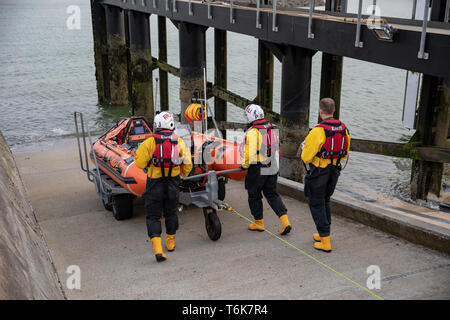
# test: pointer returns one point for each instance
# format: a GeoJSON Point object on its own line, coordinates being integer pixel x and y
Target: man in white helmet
{"type": "Point", "coordinates": [260, 146]}
{"type": "Point", "coordinates": [166, 157]}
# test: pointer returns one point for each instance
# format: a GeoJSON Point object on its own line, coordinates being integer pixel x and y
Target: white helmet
{"type": "Point", "coordinates": [164, 120]}
{"type": "Point", "coordinates": [254, 112]}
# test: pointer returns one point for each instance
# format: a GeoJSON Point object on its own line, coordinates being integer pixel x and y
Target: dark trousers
{"type": "Point", "coordinates": [255, 183]}
{"type": "Point", "coordinates": [161, 198]}
{"type": "Point", "coordinates": [319, 187]}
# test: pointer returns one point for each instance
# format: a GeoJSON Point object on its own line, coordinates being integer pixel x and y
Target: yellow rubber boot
{"type": "Point", "coordinates": [324, 244]}
{"type": "Point", "coordinates": [157, 249]}
{"type": "Point", "coordinates": [257, 226]}
{"type": "Point", "coordinates": [285, 225]}
{"type": "Point", "coordinates": [170, 242]}
{"type": "Point", "coordinates": [316, 237]}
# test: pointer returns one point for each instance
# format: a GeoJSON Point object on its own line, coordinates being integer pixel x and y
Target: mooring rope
{"type": "Point", "coordinates": [229, 208]}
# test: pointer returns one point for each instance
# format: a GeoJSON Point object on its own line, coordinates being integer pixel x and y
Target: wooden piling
{"type": "Point", "coordinates": [162, 56]}
{"type": "Point", "coordinates": [265, 77]}
{"type": "Point", "coordinates": [432, 124]}
{"type": "Point", "coordinates": [331, 74]}
{"type": "Point", "coordinates": [295, 100]}
{"type": "Point", "coordinates": [140, 66]}
{"type": "Point", "coordinates": [220, 74]}
{"type": "Point", "coordinates": [192, 61]}
{"type": "Point", "coordinates": [117, 55]}
{"type": "Point", "coordinates": [100, 50]}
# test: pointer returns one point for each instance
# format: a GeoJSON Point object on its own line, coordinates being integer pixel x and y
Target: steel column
{"type": "Point", "coordinates": [331, 74]}
{"type": "Point", "coordinates": [117, 56]}
{"type": "Point", "coordinates": [192, 46]}
{"type": "Point", "coordinates": [162, 56]}
{"type": "Point", "coordinates": [141, 79]}
{"type": "Point", "coordinates": [100, 51]}
{"type": "Point", "coordinates": [295, 100]}
{"type": "Point", "coordinates": [220, 73]}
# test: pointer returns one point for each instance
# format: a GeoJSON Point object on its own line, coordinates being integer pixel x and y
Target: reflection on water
{"type": "Point", "coordinates": [48, 72]}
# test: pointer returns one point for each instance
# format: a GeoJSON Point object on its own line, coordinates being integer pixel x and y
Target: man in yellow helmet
{"type": "Point", "coordinates": [260, 158]}
{"type": "Point", "coordinates": [167, 157]}
{"type": "Point", "coordinates": [324, 148]}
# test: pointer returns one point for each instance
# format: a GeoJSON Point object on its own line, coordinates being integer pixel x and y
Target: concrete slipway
{"type": "Point", "coordinates": [117, 262]}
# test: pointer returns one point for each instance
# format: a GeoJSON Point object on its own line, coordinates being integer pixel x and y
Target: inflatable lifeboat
{"type": "Point", "coordinates": [115, 151]}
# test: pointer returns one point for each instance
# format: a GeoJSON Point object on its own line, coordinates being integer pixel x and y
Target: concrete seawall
{"type": "Point", "coordinates": [426, 227]}
{"type": "Point", "coordinates": [26, 269]}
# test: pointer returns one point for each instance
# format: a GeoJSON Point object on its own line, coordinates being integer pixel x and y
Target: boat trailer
{"type": "Point", "coordinates": [205, 190]}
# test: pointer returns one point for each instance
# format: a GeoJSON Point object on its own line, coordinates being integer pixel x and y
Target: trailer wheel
{"type": "Point", "coordinates": [212, 223]}
{"type": "Point", "coordinates": [222, 188]}
{"type": "Point", "coordinates": [108, 205]}
{"type": "Point", "coordinates": [122, 206]}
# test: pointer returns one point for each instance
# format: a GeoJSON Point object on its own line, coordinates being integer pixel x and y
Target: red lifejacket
{"type": "Point", "coordinates": [336, 143]}
{"type": "Point", "coordinates": [270, 140]}
{"type": "Point", "coordinates": [166, 154]}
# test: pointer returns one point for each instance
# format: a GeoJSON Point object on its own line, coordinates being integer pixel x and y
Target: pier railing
{"type": "Point", "coordinates": [292, 35]}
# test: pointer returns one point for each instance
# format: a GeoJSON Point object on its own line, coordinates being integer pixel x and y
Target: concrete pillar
{"type": "Point", "coordinates": [192, 61]}
{"type": "Point", "coordinates": [117, 55]}
{"type": "Point", "coordinates": [141, 80]}
{"type": "Point", "coordinates": [100, 50]}
{"type": "Point", "coordinates": [162, 56]}
{"type": "Point", "coordinates": [265, 77]}
{"type": "Point", "coordinates": [220, 73]}
{"type": "Point", "coordinates": [294, 115]}
{"type": "Point", "coordinates": [331, 75]}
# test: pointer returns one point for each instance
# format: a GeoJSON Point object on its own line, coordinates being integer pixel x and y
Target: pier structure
{"type": "Point", "coordinates": [292, 35]}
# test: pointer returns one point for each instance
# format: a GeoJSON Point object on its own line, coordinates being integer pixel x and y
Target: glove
{"type": "Point", "coordinates": [300, 149]}
{"type": "Point", "coordinates": [243, 168]}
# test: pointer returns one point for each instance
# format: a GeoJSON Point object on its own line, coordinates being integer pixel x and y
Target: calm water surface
{"type": "Point", "coordinates": [47, 72]}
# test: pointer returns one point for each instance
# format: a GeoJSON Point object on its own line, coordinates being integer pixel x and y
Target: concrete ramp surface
{"type": "Point", "coordinates": [117, 262]}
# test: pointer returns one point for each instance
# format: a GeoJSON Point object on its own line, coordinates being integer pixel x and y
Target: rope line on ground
{"type": "Point", "coordinates": [229, 208]}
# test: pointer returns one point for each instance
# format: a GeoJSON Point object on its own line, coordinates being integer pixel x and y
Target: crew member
{"type": "Point", "coordinates": [166, 157]}
{"type": "Point", "coordinates": [324, 149]}
{"type": "Point", "coordinates": [261, 152]}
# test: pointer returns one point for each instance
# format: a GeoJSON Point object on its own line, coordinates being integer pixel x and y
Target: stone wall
{"type": "Point", "coordinates": [26, 269]}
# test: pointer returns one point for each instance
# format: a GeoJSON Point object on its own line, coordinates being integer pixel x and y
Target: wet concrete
{"type": "Point", "coordinates": [117, 261]}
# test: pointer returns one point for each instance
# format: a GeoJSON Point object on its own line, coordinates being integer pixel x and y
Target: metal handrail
{"type": "Point", "coordinates": [447, 8]}
{"type": "Point", "coordinates": [274, 16]}
{"type": "Point", "coordinates": [83, 167]}
{"type": "Point", "coordinates": [413, 16]}
{"type": "Point", "coordinates": [86, 169]}
{"type": "Point", "coordinates": [209, 11]}
{"type": "Point", "coordinates": [232, 21]}
{"type": "Point", "coordinates": [312, 4]}
{"type": "Point", "coordinates": [358, 42]}
{"type": "Point", "coordinates": [422, 54]}
{"type": "Point", "coordinates": [258, 13]}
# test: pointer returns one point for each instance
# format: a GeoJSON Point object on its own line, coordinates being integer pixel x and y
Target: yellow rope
{"type": "Point", "coordinates": [229, 208]}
